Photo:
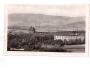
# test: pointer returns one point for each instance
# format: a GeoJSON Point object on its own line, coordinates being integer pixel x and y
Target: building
{"type": "Point", "coordinates": [70, 36]}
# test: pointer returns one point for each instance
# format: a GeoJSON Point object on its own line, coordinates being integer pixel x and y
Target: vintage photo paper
{"type": "Point", "coordinates": [45, 29]}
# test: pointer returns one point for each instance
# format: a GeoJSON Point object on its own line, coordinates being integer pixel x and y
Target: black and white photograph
{"type": "Point", "coordinates": [46, 28]}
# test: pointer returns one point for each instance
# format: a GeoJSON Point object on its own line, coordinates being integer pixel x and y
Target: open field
{"type": "Point", "coordinates": [75, 48]}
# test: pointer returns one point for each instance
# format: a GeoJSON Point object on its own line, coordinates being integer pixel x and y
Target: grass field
{"type": "Point", "coordinates": [75, 48]}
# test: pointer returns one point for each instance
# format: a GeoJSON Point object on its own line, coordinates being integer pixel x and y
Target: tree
{"type": "Point", "coordinates": [32, 30]}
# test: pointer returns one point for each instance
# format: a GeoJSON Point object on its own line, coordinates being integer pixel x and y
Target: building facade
{"type": "Point", "coordinates": [69, 37]}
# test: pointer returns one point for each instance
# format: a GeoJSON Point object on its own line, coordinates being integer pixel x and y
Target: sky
{"type": "Point", "coordinates": [57, 10]}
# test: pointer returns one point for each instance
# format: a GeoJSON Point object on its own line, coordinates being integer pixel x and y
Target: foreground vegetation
{"type": "Point", "coordinates": [35, 42]}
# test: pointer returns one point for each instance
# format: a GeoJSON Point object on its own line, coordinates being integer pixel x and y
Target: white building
{"type": "Point", "coordinates": [69, 37]}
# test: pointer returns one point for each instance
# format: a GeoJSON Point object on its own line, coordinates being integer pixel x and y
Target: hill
{"type": "Point", "coordinates": [45, 23]}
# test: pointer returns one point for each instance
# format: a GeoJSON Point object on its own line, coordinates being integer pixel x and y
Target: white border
{"type": "Point", "coordinates": [24, 53]}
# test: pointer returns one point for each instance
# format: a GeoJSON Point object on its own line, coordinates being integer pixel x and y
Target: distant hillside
{"type": "Point", "coordinates": [80, 25]}
{"type": "Point", "coordinates": [45, 22]}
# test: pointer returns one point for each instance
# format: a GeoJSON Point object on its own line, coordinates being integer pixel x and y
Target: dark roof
{"type": "Point", "coordinates": [62, 33]}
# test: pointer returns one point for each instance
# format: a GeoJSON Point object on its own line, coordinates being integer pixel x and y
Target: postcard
{"type": "Point", "coordinates": [52, 30]}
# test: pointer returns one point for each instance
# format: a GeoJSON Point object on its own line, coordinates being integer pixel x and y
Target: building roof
{"type": "Point", "coordinates": [63, 33]}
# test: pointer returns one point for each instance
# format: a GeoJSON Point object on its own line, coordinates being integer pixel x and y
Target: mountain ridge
{"type": "Point", "coordinates": [46, 22]}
